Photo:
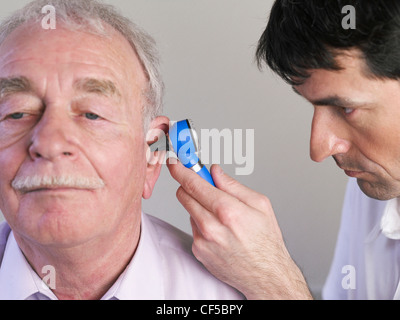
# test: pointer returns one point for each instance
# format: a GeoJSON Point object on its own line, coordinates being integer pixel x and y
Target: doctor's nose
{"type": "Point", "coordinates": [52, 139]}
{"type": "Point", "coordinates": [325, 140]}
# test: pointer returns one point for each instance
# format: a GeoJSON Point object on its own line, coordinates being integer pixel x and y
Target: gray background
{"type": "Point", "coordinates": [207, 50]}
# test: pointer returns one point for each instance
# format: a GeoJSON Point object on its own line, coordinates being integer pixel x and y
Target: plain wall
{"type": "Point", "coordinates": [207, 50]}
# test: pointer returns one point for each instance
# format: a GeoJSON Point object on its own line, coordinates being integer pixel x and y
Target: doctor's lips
{"type": "Point", "coordinates": [39, 183]}
{"type": "Point", "coordinates": [351, 172]}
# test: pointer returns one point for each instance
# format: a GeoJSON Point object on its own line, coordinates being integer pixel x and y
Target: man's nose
{"type": "Point", "coordinates": [53, 139]}
{"type": "Point", "coordinates": [327, 135]}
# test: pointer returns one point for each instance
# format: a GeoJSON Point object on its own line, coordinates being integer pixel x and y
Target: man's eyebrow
{"type": "Point", "coordinates": [335, 101]}
{"type": "Point", "coordinates": [14, 85]}
{"type": "Point", "coordinates": [99, 86]}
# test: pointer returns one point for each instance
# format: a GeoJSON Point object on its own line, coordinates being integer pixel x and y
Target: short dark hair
{"type": "Point", "coordinates": [308, 34]}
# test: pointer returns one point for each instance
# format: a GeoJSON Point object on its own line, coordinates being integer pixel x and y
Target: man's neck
{"type": "Point", "coordinates": [88, 270]}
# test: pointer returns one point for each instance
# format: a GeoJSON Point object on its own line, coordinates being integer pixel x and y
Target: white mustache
{"type": "Point", "coordinates": [30, 183]}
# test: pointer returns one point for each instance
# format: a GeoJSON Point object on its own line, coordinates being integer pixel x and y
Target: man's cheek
{"type": "Point", "coordinates": [9, 204]}
{"type": "Point", "coordinates": [9, 165]}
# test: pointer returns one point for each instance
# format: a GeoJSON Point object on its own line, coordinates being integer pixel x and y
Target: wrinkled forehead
{"type": "Point", "coordinates": [30, 43]}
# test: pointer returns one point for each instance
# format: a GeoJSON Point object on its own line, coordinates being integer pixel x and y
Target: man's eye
{"type": "Point", "coordinates": [348, 110]}
{"type": "Point", "coordinates": [91, 116]}
{"type": "Point", "coordinates": [17, 115]}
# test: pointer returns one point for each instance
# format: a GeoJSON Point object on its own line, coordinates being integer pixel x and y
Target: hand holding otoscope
{"type": "Point", "coordinates": [183, 141]}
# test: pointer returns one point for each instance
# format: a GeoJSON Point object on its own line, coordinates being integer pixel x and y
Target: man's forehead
{"type": "Point", "coordinates": [351, 76]}
{"type": "Point", "coordinates": [30, 43]}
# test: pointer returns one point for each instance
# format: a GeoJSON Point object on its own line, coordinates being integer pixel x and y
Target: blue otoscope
{"type": "Point", "coordinates": [183, 141]}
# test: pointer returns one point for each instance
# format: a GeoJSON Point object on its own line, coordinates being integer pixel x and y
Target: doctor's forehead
{"type": "Point", "coordinates": [349, 86]}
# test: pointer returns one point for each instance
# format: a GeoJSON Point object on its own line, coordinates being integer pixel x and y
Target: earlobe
{"type": "Point", "coordinates": [152, 174]}
{"type": "Point", "coordinates": [158, 127]}
{"type": "Point", "coordinates": [153, 170]}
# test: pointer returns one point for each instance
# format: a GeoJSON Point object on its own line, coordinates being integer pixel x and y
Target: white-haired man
{"type": "Point", "coordinates": [75, 103]}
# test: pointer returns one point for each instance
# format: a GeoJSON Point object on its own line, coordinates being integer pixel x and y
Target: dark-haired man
{"type": "Point", "coordinates": [351, 78]}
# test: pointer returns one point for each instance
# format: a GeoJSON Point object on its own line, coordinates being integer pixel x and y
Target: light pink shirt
{"type": "Point", "coordinates": [163, 267]}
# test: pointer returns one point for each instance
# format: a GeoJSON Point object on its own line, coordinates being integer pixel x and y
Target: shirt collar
{"type": "Point", "coordinates": [390, 221]}
{"type": "Point", "coordinates": [18, 281]}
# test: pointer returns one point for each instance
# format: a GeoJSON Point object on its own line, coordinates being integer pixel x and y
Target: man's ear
{"type": "Point", "coordinates": [158, 129]}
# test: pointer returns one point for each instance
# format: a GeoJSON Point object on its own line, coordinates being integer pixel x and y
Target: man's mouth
{"type": "Point", "coordinates": [50, 189]}
{"type": "Point", "coordinates": [347, 168]}
{"type": "Point", "coordinates": [353, 174]}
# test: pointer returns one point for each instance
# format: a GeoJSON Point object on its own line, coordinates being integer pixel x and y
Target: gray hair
{"type": "Point", "coordinates": [88, 16]}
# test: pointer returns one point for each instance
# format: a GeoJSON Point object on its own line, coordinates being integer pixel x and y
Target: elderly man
{"type": "Point", "coordinates": [75, 104]}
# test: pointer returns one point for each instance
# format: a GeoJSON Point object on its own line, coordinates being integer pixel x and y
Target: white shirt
{"type": "Point", "coordinates": [163, 267]}
{"type": "Point", "coordinates": [366, 263]}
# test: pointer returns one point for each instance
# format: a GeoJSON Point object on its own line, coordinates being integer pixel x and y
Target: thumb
{"type": "Point", "coordinates": [222, 181]}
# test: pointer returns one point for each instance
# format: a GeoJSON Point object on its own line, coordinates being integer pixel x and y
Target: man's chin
{"type": "Point", "coordinates": [378, 191]}
{"type": "Point", "coordinates": [57, 225]}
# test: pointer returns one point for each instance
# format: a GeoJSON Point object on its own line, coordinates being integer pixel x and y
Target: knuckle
{"type": "Point", "coordinates": [231, 183]}
{"type": "Point", "coordinates": [183, 197]}
{"type": "Point", "coordinates": [265, 203]}
{"type": "Point", "coordinates": [226, 213]}
{"type": "Point", "coordinates": [227, 217]}
{"type": "Point", "coordinates": [190, 186]}
{"type": "Point", "coordinates": [209, 233]}
{"type": "Point", "coordinates": [180, 193]}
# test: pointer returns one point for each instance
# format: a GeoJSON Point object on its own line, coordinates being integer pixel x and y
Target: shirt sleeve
{"type": "Point", "coordinates": [333, 289]}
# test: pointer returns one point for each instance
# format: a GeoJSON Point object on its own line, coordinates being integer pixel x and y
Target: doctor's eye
{"type": "Point", "coordinates": [348, 110]}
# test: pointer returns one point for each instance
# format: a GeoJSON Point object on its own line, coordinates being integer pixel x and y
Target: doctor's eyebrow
{"type": "Point", "coordinates": [14, 85]}
{"type": "Point", "coordinates": [336, 101]}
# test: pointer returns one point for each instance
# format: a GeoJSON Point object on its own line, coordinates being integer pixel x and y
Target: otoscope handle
{"type": "Point", "coordinates": [205, 174]}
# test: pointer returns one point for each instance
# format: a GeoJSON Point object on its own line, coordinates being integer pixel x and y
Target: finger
{"type": "Point", "coordinates": [200, 215]}
{"type": "Point", "coordinates": [231, 186]}
{"type": "Point", "coordinates": [198, 188]}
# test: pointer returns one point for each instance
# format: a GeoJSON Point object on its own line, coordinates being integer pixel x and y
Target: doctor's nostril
{"type": "Point", "coordinates": [67, 153]}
